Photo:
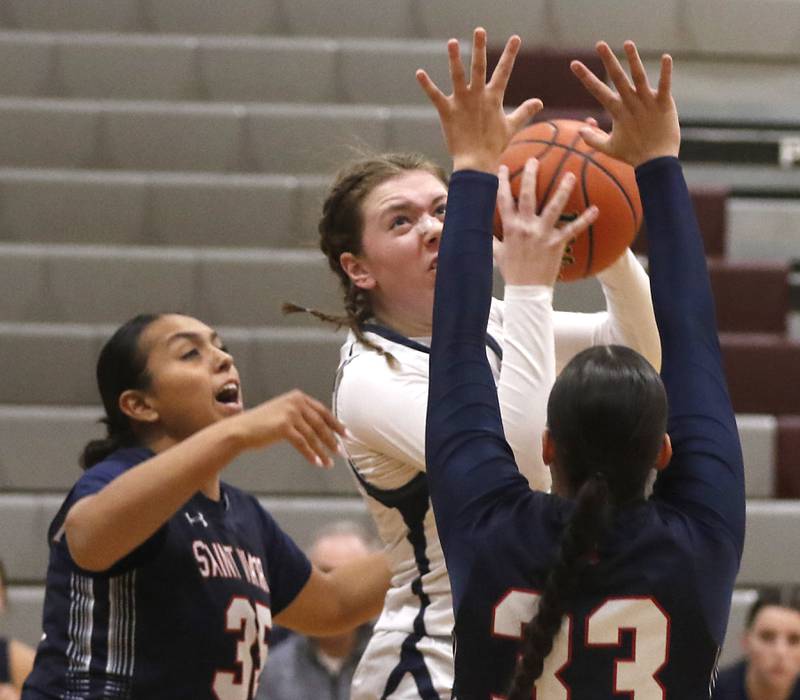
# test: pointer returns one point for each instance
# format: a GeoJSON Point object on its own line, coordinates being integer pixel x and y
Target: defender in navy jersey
{"type": "Point", "coordinates": [612, 594]}
{"type": "Point", "coordinates": [380, 229]}
{"type": "Point", "coordinates": [163, 582]}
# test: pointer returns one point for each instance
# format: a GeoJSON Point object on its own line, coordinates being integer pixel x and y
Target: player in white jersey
{"type": "Point", "coordinates": [380, 231]}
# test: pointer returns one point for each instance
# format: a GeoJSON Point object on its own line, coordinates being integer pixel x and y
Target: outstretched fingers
{"type": "Point", "coordinates": [478, 71]}
{"type": "Point", "coordinates": [555, 206]}
{"type": "Point", "coordinates": [527, 188]}
{"type": "Point", "coordinates": [573, 228]}
{"type": "Point", "coordinates": [502, 71]}
{"type": "Point", "coordinates": [457, 74]}
{"type": "Point", "coordinates": [505, 200]}
{"type": "Point", "coordinates": [664, 94]}
{"type": "Point", "coordinates": [435, 95]}
{"type": "Point", "coordinates": [638, 72]}
{"type": "Point", "coordinates": [524, 113]}
{"type": "Point", "coordinates": [596, 87]}
{"type": "Point", "coordinates": [615, 71]}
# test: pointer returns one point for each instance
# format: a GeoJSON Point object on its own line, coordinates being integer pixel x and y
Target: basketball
{"type": "Point", "coordinates": [600, 180]}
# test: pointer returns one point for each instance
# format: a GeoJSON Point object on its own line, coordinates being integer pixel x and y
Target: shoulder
{"type": "Point", "coordinates": [104, 472]}
{"type": "Point", "coordinates": [365, 372]}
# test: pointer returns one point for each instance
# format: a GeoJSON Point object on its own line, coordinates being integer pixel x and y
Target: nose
{"type": "Point", "coordinates": [430, 228]}
{"type": "Point", "coordinates": [223, 360]}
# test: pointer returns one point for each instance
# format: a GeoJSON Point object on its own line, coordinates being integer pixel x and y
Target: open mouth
{"type": "Point", "coordinates": [228, 395]}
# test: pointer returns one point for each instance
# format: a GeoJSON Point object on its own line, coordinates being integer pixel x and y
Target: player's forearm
{"type": "Point", "coordinates": [526, 377]}
{"type": "Point", "coordinates": [631, 319]}
{"type": "Point", "coordinates": [104, 527]}
{"type": "Point", "coordinates": [360, 588]}
{"type": "Point", "coordinates": [461, 382]}
{"type": "Point", "coordinates": [20, 659]}
{"type": "Point", "coordinates": [681, 288]}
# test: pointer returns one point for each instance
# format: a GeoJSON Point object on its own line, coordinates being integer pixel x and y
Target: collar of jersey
{"type": "Point", "coordinates": [395, 337]}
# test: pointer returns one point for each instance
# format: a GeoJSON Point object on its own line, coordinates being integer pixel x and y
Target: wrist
{"type": "Point", "coordinates": [475, 162]}
{"type": "Point", "coordinates": [231, 435]}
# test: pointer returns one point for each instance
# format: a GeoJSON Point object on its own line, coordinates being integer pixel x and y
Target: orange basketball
{"type": "Point", "coordinates": [608, 183]}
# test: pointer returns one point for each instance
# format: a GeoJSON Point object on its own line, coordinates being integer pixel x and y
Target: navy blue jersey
{"type": "Point", "coordinates": [5, 669]}
{"type": "Point", "coordinates": [650, 615]}
{"type": "Point", "coordinates": [731, 684]}
{"type": "Point", "coordinates": [185, 615]}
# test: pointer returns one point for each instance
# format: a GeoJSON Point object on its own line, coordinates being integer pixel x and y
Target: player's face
{"type": "Point", "coordinates": [773, 646]}
{"type": "Point", "coordinates": [403, 219]}
{"type": "Point", "coordinates": [194, 382]}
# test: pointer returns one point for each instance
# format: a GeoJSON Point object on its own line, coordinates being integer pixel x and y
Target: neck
{"type": "Point", "coordinates": [759, 689]}
{"type": "Point", "coordinates": [408, 324]}
{"type": "Point", "coordinates": [339, 646]}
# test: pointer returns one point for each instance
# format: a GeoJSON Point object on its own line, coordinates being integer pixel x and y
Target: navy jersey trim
{"type": "Point", "coordinates": [412, 501]}
{"type": "Point", "coordinates": [395, 337]}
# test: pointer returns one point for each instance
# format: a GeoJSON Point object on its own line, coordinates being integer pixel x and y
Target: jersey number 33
{"type": "Point", "coordinates": [603, 627]}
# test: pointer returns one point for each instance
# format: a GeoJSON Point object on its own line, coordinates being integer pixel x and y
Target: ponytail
{"type": "Point", "coordinates": [583, 535]}
{"type": "Point", "coordinates": [121, 366]}
{"type": "Point", "coordinates": [96, 451]}
{"type": "Point", "coordinates": [607, 415]}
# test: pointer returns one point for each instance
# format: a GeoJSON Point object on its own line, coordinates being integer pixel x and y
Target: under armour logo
{"type": "Point", "coordinates": [196, 519]}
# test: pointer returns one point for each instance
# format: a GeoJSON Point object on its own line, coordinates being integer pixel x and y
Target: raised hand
{"type": "Point", "coordinates": [297, 418]}
{"type": "Point", "coordinates": [475, 127]}
{"type": "Point", "coordinates": [533, 245]}
{"type": "Point", "coordinates": [644, 121]}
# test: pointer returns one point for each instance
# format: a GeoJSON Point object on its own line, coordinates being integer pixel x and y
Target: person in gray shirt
{"type": "Point", "coordinates": [320, 668]}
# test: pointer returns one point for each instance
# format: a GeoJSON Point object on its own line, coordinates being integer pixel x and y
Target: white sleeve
{"type": "Point", "coordinates": [629, 319]}
{"type": "Point", "coordinates": [526, 376]}
{"type": "Point", "coordinates": [384, 408]}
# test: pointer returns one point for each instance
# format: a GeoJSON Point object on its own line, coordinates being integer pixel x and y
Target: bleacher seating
{"type": "Point", "coordinates": [171, 154]}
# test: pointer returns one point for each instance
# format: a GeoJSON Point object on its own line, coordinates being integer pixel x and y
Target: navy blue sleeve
{"type": "Point", "coordinates": [706, 474]}
{"type": "Point", "coordinates": [468, 459]}
{"type": "Point", "coordinates": [705, 478]}
{"type": "Point", "coordinates": [288, 569]}
{"type": "Point", "coordinates": [5, 667]}
{"type": "Point", "coordinates": [91, 482]}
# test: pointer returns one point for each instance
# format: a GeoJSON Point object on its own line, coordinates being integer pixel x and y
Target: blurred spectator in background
{"type": "Point", "coordinates": [771, 667]}
{"type": "Point", "coordinates": [320, 668]}
{"type": "Point", "coordinates": [16, 658]}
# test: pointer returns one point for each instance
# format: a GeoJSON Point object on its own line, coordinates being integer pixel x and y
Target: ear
{"type": "Point", "coordinates": [548, 448]}
{"type": "Point", "coordinates": [664, 454]}
{"type": "Point", "coordinates": [357, 271]}
{"type": "Point", "coordinates": [136, 406]}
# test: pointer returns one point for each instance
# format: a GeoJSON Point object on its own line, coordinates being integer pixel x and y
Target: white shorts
{"type": "Point", "coordinates": [401, 666]}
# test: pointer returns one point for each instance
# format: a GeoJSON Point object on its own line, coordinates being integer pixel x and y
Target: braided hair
{"type": "Point", "coordinates": [341, 227]}
{"type": "Point", "coordinates": [121, 366]}
{"type": "Point", "coordinates": [607, 415]}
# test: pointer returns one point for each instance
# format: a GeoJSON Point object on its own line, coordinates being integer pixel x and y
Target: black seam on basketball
{"type": "Point", "coordinates": [588, 157]}
{"type": "Point", "coordinates": [556, 172]}
{"type": "Point", "coordinates": [549, 144]}
{"type": "Point", "coordinates": [590, 229]}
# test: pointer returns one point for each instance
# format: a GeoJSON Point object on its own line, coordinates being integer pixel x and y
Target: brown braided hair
{"type": "Point", "coordinates": [607, 415]}
{"type": "Point", "coordinates": [341, 227]}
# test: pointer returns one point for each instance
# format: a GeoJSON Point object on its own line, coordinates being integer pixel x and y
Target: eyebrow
{"type": "Point", "coordinates": [191, 335]}
{"type": "Point", "coordinates": [406, 204]}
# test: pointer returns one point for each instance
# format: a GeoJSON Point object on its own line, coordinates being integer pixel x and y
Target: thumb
{"type": "Point", "coordinates": [595, 138]}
